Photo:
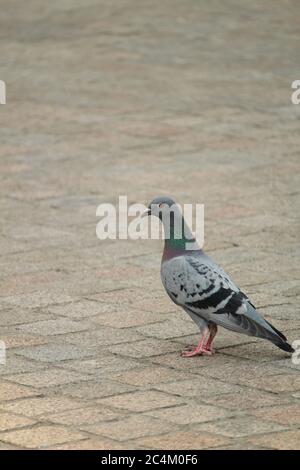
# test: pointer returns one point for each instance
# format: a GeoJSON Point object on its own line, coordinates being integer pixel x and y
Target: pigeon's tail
{"type": "Point", "coordinates": [284, 346]}
{"type": "Point", "coordinates": [263, 329]}
{"type": "Point", "coordinates": [280, 340]}
{"type": "Point", "coordinates": [276, 331]}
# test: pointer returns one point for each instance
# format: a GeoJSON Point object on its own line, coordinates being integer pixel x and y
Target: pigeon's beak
{"type": "Point", "coordinates": [146, 213]}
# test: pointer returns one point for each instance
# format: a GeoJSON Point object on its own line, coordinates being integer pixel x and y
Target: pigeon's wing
{"type": "Point", "coordinates": [194, 284]}
{"type": "Point", "coordinates": [204, 289]}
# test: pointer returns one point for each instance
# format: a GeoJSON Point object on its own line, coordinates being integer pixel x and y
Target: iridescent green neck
{"type": "Point", "coordinates": [179, 241]}
{"type": "Point", "coordinates": [177, 244]}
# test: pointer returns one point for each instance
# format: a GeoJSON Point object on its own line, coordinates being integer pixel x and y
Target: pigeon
{"type": "Point", "coordinates": [196, 283]}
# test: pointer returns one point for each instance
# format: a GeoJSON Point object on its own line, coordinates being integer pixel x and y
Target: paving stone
{"type": "Point", "coordinates": [237, 371]}
{"type": "Point", "coordinates": [197, 387]}
{"type": "Point", "coordinates": [169, 329]}
{"type": "Point", "coordinates": [55, 352]}
{"type": "Point", "coordinates": [41, 436]}
{"type": "Point", "coordinates": [241, 445]}
{"type": "Point", "coordinates": [11, 391]}
{"type": "Point", "coordinates": [277, 383]}
{"type": "Point", "coordinates": [103, 336]}
{"type": "Point", "coordinates": [16, 364]}
{"type": "Point", "coordinates": [136, 298]}
{"type": "Point", "coordinates": [92, 444]}
{"type": "Point", "coordinates": [93, 389]}
{"type": "Point", "coordinates": [191, 413]}
{"type": "Point", "coordinates": [246, 398]}
{"type": "Point", "coordinates": [21, 340]}
{"type": "Point", "coordinates": [282, 313]}
{"type": "Point", "coordinates": [119, 296]}
{"type": "Point", "coordinates": [48, 377]}
{"type": "Point", "coordinates": [132, 427]}
{"type": "Point", "coordinates": [7, 447]}
{"type": "Point", "coordinates": [240, 426]}
{"type": "Point", "coordinates": [198, 364]}
{"type": "Point", "coordinates": [279, 440]}
{"type": "Point", "coordinates": [43, 405]}
{"type": "Point", "coordinates": [35, 299]}
{"type": "Point", "coordinates": [150, 376]}
{"type": "Point", "coordinates": [141, 401]}
{"type": "Point", "coordinates": [82, 309]}
{"type": "Point", "coordinates": [53, 327]}
{"type": "Point", "coordinates": [17, 316]}
{"type": "Point", "coordinates": [285, 414]}
{"type": "Point", "coordinates": [261, 351]}
{"type": "Point", "coordinates": [10, 421]}
{"type": "Point", "coordinates": [286, 364]}
{"type": "Point", "coordinates": [28, 282]}
{"type": "Point", "coordinates": [100, 366]}
{"type": "Point", "coordinates": [160, 305]}
{"type": "Point", "coordinates": [183, 440]}
{"type": "Point", "coordinates": [126, 318]}
{"type": "Point", "coordinates": [84, 416]}
{"type": "Point", "coordinates": [144, 348]}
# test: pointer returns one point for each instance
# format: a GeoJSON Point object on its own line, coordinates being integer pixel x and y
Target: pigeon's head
{"type": "Point", "coordinates": [159, 206]}
{"type": "Point", "coordinates": [176, 232]}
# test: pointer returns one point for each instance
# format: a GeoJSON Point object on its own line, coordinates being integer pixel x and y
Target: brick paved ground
{"type": "Point", "coordinates": [104, 98]}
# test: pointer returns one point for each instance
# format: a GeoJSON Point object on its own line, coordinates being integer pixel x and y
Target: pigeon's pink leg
{"type": "Point", "coordinates": [201, 347]}
{"type": "Point", "coordinates": [213, 329]}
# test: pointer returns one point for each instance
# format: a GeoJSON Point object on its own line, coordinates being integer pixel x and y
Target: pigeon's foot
{"type": "Point", "coordinates": [196, 352]}
{"type": "Point", "coordinates": [204, 346]}
{"type": "Point", "coordinates": [191, 347]}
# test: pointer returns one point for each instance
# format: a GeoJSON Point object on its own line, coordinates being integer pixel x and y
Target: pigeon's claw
{"type": "Point", "coordinates": [196, 352]}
